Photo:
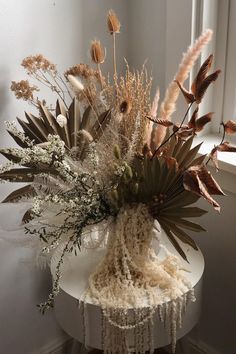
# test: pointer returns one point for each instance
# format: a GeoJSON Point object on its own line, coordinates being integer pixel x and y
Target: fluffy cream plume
{"type": "Point", "coordinates": [186, 65]}
{"type": "Point", "coordinates": [75, 83]}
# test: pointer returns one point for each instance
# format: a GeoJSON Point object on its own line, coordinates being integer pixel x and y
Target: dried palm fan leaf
{"type": "Point", "coordinates": [158, 182]}
{"type": "Point", "coordinates": [80, 130]}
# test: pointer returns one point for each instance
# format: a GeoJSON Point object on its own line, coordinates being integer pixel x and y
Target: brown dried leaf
{"type": "Point", "coordinates": [214, 157]}
{"type": "Point", "coordinates": [227, 147]}
{"type": "Point", "coordinates": [230, 127]}
{"type": "Point", "coordinates": [202, 121]}
{"type": "Point", "coordinates": [193, 184]}
{"type": "Point", "coordinates": [163, 122]}
{"type": "Point", "coordinates": [184, 133]}
{"type": "Point", "coordinates": [171, 162]}
{"type": "Point", "coordinates": [189, 97]}
{"type": "Point", "coordinates": [199, 180]}
{"type": "Point", "coordinates": [201, 90]}
{"type": "Point", "coordinates": [206, 177]}
{"type": "Point", "coordinates": [202, 74]}
{"type": "Point", "coordinates": [192, 121]}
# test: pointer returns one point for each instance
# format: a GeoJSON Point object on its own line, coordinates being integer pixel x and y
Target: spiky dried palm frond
{"type": "Point", "coordinates": [159, 183]}
{"type": "Point", "coordinates": [80, 130]}
{"type": "Point", "coordinates": [133, 93]}
{"type": "Point", "coordinates": [37, 129]}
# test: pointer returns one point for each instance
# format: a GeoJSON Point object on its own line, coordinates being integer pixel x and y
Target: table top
{"type": "Point", "coordinates": [74, 281]}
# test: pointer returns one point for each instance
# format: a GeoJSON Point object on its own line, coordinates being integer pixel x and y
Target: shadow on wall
{"type": "Point", "coordinates": [217, 324]}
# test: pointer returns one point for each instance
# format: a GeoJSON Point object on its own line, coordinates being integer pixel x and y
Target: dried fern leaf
{"type": "Point", "coordinates": [26, 191]}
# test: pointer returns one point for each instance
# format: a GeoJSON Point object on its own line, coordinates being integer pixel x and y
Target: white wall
{"type": "Point", "coordinates": [61, 29]}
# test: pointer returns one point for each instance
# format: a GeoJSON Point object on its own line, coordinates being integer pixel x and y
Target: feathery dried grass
{"type": "Point", "coordinates": [186, 65]}
{"type": "Point", "coordinates": [172, 93]}
{"type": "Point", "coordinates": [135, 89]}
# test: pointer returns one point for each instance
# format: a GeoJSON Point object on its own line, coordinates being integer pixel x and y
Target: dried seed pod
{"type": "Point", "coordinates": [97, 52]}
{"type": "Point", "coordinates": [113, 23]}
{"type": "Point", "coordinates": [117, 152]}
{"type": "Point", "coordinates": [61, 120]}
{"type": "Point", "coordinates": [125, 107]}
{"type": "Point", "coordinates": [75, 83]}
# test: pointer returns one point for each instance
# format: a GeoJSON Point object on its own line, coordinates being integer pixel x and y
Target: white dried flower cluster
{"type": "Point", "coordinates": [12, 128]}
{"type": "Point", "coordinates": [6, 167]}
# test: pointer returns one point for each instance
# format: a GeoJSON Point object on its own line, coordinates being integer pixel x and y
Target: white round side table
{"type": "Point", "coordinates": [74, 281]}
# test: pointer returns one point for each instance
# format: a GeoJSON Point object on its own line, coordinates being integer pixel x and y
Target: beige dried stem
{"type": "Point", "coordinates": [153, 115]}
{"type": "Point", "coordinates": [189, 58]}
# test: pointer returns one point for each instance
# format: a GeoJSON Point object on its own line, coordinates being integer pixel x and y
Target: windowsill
{"type": "Point", "coordinates": [227, 161]}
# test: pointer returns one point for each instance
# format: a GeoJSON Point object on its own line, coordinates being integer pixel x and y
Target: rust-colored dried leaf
{"type": "Point", "coordinates": [201, 75]}
{"type": "Point", "coordinates": [214, 157]}
{"type": "Point", "coordinates": [171, 162]}
{"type": "Point", "coordinates": [185, 133]}
{"type": "Point", "coordinates": [230, 127]}
{"type": "Point", "coordinates": [193, 183]}
{"type": "Point", "coordinates": [201, 90]}
{"type": "Point", "coordinates": [163, 122]}
{"type": "Point", "coordinates": [199, 180]}
{"type": "Point", "coordinates": [202, 121]}
{"type": "Point", "coordinates": [227, 147]}
{"type": "Point", "coordinates": [206, 177]}
{"type": "Point", "coordinates": [189, 97]}
{"type": "Point", "coordinates": [191, 123]}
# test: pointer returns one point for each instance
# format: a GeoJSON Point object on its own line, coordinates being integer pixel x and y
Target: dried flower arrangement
{"type": "Point", "coordinates": [110, 158]}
